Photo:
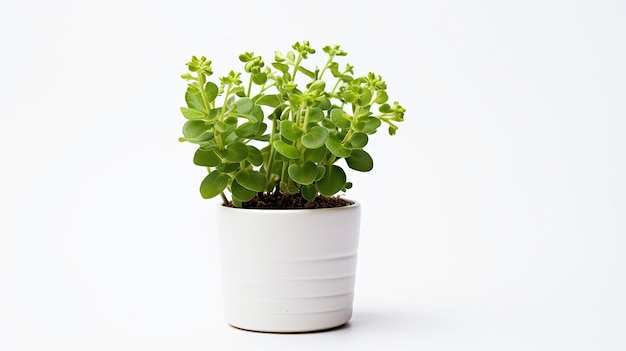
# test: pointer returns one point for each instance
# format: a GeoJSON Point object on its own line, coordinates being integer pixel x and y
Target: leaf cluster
{"type": "Point", "coordinates": [283, 127]}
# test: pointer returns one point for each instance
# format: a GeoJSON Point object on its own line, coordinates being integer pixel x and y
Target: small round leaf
{"type": "Point", "coordinates": [303, 174]}
{"type": "Point", "coordinates": [240, 193]}
{"type": "Point", "coordinates": [309, 192]}
{"type": "Point", "coordinates": [213, 184]}
{"type": "Point", "coordinates": [194, 101]}
{"type": "Point", "coordinates": [206, 158]}
{"type": "Point", "coordinates": [254, 155]}
{"type": "Point", "coordinates": [251, 180]}
{"type": "Point", "coordinates": [359, 140]}
{"type": "Point", "coordinates": [333, 181]}
{"type": "Point", "coordinates": [315, 115]}
{"type": "Point", "coordinates": [381, 97]}
{"type": "Point", "coordinates": [211, 91]}
{"type": "Point", "coordinates": [289, 151]}
{"type": "Point", "coordinates": [315, 138]}
{"type": "Point", "coordinates": [243, 105]}
{"type": "Point", "coordinates": [333, 143]}
{"type": "Point", "coordinates": [336, 115]}
{"type": "Point", "coordinates": [235, 152]}
{"type": "Point", "coordinates": [192, 114]}
{"type": "Point", "coordinates": [360, 160]}
{"type": "Point", "coordinates": [315, 155]}
{"type": "Point", "coordinates": [194, 128]}
{"type": "Point", "coordinates": [269, 100]}
{"type": "Point", "coordinates": [290, 130]}
{"type": "Point", "coordinates": [226, 167]}
{"type": "Point", "coordinates": [247, 130]}
{"type": "Point", "coordinates": [259, 78]}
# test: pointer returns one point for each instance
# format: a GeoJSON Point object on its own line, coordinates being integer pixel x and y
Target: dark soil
{"type": "Point", "coordinates": [292, 201]}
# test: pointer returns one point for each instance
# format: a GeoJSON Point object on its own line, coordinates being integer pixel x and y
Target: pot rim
{"type": "Point", "coordinates": [354, 204]}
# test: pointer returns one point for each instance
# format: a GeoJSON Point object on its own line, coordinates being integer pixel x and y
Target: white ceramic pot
{"type": "Point", "coordinates": [288, 271]}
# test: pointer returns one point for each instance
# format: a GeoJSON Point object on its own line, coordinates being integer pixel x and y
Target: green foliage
{"type": "Point", "coordinates": [283, 126]}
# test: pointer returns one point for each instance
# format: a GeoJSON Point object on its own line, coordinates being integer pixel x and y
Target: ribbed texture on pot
{"type": "Point", "coordinates": [298, 276]}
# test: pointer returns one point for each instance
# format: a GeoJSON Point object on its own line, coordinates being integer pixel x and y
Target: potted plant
{"type": "Point", "coordinates": [273, 139]}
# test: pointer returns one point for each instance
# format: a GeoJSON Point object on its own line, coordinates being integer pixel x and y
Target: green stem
{"type": "Point", "coordinates": [270, 159]}
{"type": "Point", "coordinates": [226, 96]}
{"type": "Point", "coordinates": [265, 87]}
{"type": "Point", "coordinates": [250, 86]}
{"type": "Point", "coordinates": [218, 136]}
{"type": "Point", "coordinates": [306, 119]}
{"type": "Point", "coordinates": [295, 67]}
{"type": "Point", "coordinates": [205, 98]}
{"type": "Point", "coordinates": [332, 92]}
{"type": "Point", "coordinates": [283, 176]}
{"type": "Point", "coordinates": [330, 60]}
{"type": "Point", "coordinates": [348, 136]}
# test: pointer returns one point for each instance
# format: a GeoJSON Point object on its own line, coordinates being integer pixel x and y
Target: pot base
{"type": "Point", "coordinates": [290, 323]}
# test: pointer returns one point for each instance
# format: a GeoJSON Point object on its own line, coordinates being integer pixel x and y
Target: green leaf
{"type": "Point", "coordinates": [351, 97]}
{"type": "Point", "coordinates": [243, 105]}
{"type": "Point", "coordinates": [256, 115]}
{"type": "Point", "coordinates": [328, 124]}
{"type": "Point", "coordinates": [321, 170]}
{"type": "Point", "coordinates": [254, 155]}
{"type": "Point", "coordinates": [381, 97]}
{"type": "Point", "coordinates": [213, 184]}
{"type": "Point", "coordinates": [211, 91]}
{"type": "Point", "coordinates": [360, 160]}
{"type": "Point", "coordinates": [259, 78]}
{"type": "Point", "coordinates": [315, 115]}
{"type": "Point", "coordinates": [359, 140]}
{"type": "Point", "coordinates": [231, 121]}
{"type": "Point", "coordinates": [333, 143]}
{"type": "Point", "coordinates": [235, 152]}
{"type": "Point", "coordinates": [384, 108]}
{"type": "Point", "coordinates": [306, 72]}
{"type": "Point", "coordinates": [309, 192]}
{"type": "Point", "coordinates": [269, 100]}
{"type": "Point", "coordinates": [290, 130]}
{"type": "Point", "coordinates": [226, 167]}
{"type": "Point", "coordinates": [240, 192]}
{"type": "Point", "coordinates": [367, 125]}
{"type": "Point", "coordinates": [315, 155]}
{"type": "Point", "coordinates": [278, 56]}
{"type": "Point", "coordinates": [246, 56]}
{"type": "Point", "coordinates": [333, 181]}
{"type": "Point", "coordinates": [324, 103]}
{"type": "Point", "coordinates": [289, 151]}
{"type": "Point", "coordinates": [194, 128]}
{"type": "Point", "coordinates": [221, 127]}
{"type": "Point", "coordinates": [202, 139]}
{"type": "Point", "coordinates": [206, 158]}
{"type": "Point", "coordinates": [281, 67]}
{"type": "Point", "coordinates": [214, 113]}
{"type": "Point", "coordinates": [259, 133]}
{"type": "Point", "coordinates": [336, 115]}
{"type": "Point", "coordinates": [365, 97]}
{"type": "Point", "coordinates": [239, 91]}
{"type": "Point", "coordinates": [194, 101]}
{"type": "Point", "coordinates": [191, 113]}
{"type": "Point", "coordinates": [247, 130]}
{"type": "Point", "coordinates": [315, 138]}
{"type": "Point", "coordinates": [251, 180]}
{"type": "Point", "coordinates": [303, 174]}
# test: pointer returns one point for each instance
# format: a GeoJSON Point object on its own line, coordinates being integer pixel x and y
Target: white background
{"type": "Point", "coordinates": [493, 220]}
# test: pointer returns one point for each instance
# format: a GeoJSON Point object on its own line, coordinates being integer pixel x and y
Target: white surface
{"type": "Point", "coordinates": [495, 218]}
